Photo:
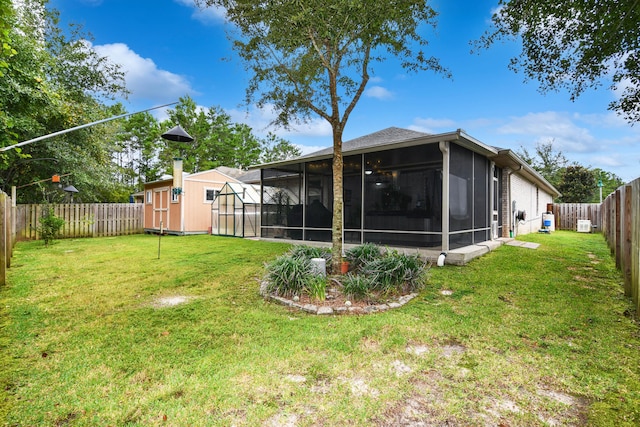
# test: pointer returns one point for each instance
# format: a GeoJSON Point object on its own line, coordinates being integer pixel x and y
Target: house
{"type": "Point", "coordinates": [188, 211]}
{"type": "Point", "coordinates": [446, 192]}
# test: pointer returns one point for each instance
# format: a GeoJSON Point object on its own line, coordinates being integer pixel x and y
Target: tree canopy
{"type": "Point", "coordinates": [218, 141]}
{"type": "Point", "coordinates": [52, 80]}
{"type": "Point", "coordinates": [6, 18]}
{"type": "Point", "coordinates": [315, 57]}
{"type": "Point", "coordinates": [577, 184]}
{"type": "Point", "coordinates": [547, 161]}
{"type": "Point", "coordinates": [576, 45]}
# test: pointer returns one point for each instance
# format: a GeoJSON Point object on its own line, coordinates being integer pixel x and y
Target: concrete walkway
{"type": "Point", "coordinates": [460, 256]}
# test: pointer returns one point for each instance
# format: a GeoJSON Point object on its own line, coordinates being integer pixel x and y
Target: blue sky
{"type": "Point", "coordinates": [169, 49]}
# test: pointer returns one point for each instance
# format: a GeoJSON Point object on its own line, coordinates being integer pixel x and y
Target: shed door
{"type": "Point", "coordinates": [226, 225]}
{"type": "Point", "coordinates": [161, 208]}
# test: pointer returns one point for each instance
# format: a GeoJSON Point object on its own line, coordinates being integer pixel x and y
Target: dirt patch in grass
{"type": "Point", "coordinates": [426, 406]}
{"type": "Point", "coordinates": [170, 301]}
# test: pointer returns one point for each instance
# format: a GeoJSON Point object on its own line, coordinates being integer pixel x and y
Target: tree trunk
{"type": "Point", "coordinates": [336, 235]}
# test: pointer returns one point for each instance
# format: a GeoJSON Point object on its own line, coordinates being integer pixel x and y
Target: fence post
{"type": "Point", "coordinates": [8, 238]}
{"type": "Point", "coordinates": [618, 226]}
{"type": "Point", "coordinates": [635, 242]}
{"type": "Point", "coordinates": [626, 242]}
{"type": "Point", "coordinates": [3, 238]}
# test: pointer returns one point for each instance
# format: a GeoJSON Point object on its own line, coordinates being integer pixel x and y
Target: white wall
{"type": "Point", "coordinates": [529, 198]}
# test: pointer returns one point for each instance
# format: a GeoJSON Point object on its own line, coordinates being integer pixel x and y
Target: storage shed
{"type": "Point", "coordinates": [187, 212]}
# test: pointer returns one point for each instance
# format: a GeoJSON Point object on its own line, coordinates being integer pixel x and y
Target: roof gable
{"type": "Point", "coordinates": [382, 137]}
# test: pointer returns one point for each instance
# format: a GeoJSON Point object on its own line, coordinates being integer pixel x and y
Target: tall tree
{"type": "Point", "coordinates": [315, 57]}
{"type": "Point", "coordinates": [54, 81]}
{"type": "Point", "coordinates": [577, 184]}
{"type": "Point", "coordinates": [275, 148]}
{"type": "Point", "coordinates": [6, 18]}
{"type": "Point", "coordinates": [217, 140]}
{"type": "Point", "coordinates": [576, 45]}
{"type": "Point", "coordinates": [138, 147]}
{"type": "Point", "coordinates": [547, 161]}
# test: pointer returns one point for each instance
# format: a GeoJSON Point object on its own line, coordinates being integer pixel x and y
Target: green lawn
{"type": "Point", "coordinates": [526, 338]}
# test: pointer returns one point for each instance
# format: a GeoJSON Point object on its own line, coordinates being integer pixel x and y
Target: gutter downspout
{"type": "Point", "coordinates": [444, 148]}
{"type": "Point", "coordinates": [510, 202]}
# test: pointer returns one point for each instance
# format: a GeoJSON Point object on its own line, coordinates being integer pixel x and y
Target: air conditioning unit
{"type": "Point", "coordinates": [584, 226]}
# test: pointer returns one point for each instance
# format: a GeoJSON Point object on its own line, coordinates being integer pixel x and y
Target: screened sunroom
{"type": "Point", "coordinates": [394, 181]}
{"type": "Point", "coordinates": [235, 211]}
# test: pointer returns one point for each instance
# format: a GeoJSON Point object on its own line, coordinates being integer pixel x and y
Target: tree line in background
{"type": "Point", "coordinates": [576, 183]}
{"type": "Point", "coordinates": [51, 80]}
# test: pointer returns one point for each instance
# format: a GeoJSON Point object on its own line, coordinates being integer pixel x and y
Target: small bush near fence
{"type": "Point", "coordinates": [50, 225]}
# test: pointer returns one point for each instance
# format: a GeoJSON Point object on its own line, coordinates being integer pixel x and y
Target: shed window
{"type": "Point", "coordinates": [149, 197]}
{"type": "Point", "coordinates": [174, 197]}
{"type": "Point", "coordinates": [210, 194]}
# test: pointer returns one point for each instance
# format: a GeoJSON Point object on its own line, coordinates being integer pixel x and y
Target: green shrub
{"type": "Point", "coordinates": [316, 287]}
{"type": "Point", "coordinates": [308, 252]}
{"type": "Point", "coordinates": [376, 273]}
{"type": "Point", "coordinates": [357, 286]}
{"type": "Point", "coordinates": [50, 225]}
{"type": "Point", "coordinates": [395, 272]}
{"type": "Point", "coordinates": [287, 275]}
{"type": "Point", "coordinates": [361, 255]}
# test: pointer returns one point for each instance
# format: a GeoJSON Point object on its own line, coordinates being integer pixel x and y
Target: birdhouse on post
{"type": "Point", "coordinates": [177, 175]}
{"type": "Point", "coordinates": [177, 134]}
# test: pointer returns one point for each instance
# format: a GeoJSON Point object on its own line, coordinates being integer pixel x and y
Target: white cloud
{"type": "Point", "coordinates": [143, 77]}
{"type": "Point", "coordinates": [611, 161]}
{"type": "Point", "coordinates": [429, 125]}
{"type": "Point", "coordinates": [552, 126]}
{"type": "Point", "coordinates": [206, 15]}
{"type": "Point", "coordinates": [378, 92]}
{"type": "Point", "coordinates": [308, 149]}
{"type": "Point", "coordinates": [260, 121]}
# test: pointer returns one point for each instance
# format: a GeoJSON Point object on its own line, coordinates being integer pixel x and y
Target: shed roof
{"type": "Point", "coordinates": [232, 173]}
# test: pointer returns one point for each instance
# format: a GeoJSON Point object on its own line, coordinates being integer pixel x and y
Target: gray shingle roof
{"type": "Point", "coordinates": [250, 177]}
{"type": "Point", "coordinates": [231, 172]}
{"type": "Point", "coordinates": [383, 137]}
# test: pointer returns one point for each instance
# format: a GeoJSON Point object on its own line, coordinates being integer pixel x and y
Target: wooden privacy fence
{"type": "Point", "coordinates": [621, 228]}
{"type": "Point", "coordinates": [566, 215]}
{"type": "Point", "coordinates": [82, 219]}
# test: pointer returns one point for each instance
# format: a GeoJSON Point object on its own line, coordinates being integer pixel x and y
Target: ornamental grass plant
{"type": "Point", "coordinates": [375, 273]}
